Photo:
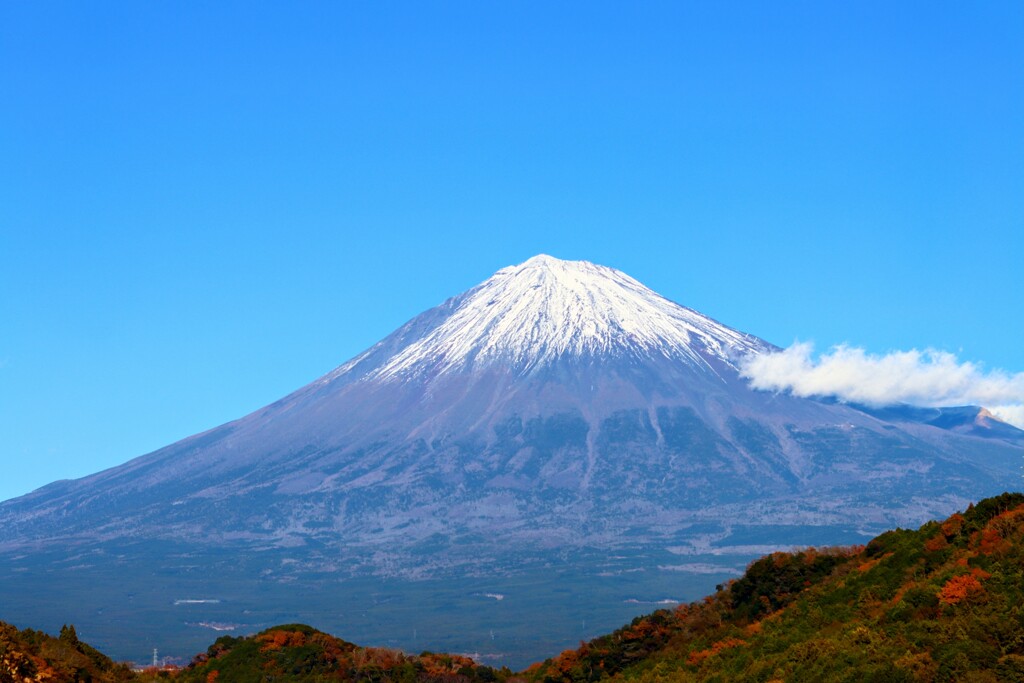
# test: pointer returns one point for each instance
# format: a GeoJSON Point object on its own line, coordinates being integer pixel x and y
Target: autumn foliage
{"type": "Point", "coordinates": [697, 656]}
{"type": "Point", "coordinates": [939, 604]}
{"type": "Point", "coordinates": [959, 588]}
{"type": "Point", "coordinates": [29, 656]}
{"type": "Point", "coordinates": [942, 603]}
{"type": "Point", "coordinates": [296, 652]}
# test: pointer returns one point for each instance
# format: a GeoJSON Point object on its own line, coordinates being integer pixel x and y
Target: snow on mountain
{"type": "Point", "coordinates": [558, 415]}
{"type": "Point", "coordinates": [528, 316]}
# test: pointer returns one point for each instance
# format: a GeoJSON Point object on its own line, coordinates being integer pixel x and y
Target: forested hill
{"type": "Point", "coordinates": [942, 603]}
{"type": "Point", "coordinates": [296, 652]}
{"type": "Point", "coordinates": [28, 656]}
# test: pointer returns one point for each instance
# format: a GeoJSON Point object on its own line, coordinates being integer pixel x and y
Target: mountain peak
{"type": "Point", "coordinates": [559, 409]}
{"type": "Point", "coordinates": [545, 309]}
{"type": "Point", "coordinates": [545, 260]}
{"type": "Point", "coordinates": [550, 263]}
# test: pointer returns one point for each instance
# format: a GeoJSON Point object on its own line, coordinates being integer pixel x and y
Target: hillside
{"type": "Point", "coordinates": [296, 652]}
{"type": "Point", "coordinates": [28, 656]}
{"type": "Point", "coordinates": [942, 603]}
{"type": "Point", "coordinates": [555, 425]}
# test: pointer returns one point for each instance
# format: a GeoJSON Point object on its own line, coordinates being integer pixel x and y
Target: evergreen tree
{"type": "Point", "coordinates": [69, 635]}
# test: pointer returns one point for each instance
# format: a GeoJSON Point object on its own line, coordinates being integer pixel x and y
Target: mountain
{"type": "Point", "coordinates": [940, 603]}
{"type": "Point", "coordinates": [970, 420]}
{"type": "Point", "coordinates": [559, 437]}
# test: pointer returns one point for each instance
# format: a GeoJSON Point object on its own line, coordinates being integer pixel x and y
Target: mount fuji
{"type": "Point", "coordinates": [559, 435]}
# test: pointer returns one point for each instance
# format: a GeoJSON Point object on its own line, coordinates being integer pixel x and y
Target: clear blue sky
{"type": "Point", "coordinates": [206, 205]}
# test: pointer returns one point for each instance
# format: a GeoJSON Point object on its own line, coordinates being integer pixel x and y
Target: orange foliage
{"type": "Point", "coordinates": [901, 591]}
{"type": "Point", "coordinates": [865, 566]}
{"type": "Point", "coordinates": [698, 656]}
{"type": "Point", "coordinates": [440, 665]}
{"type": "Point", "coordinates": [645, 629]}
{"type": "Point", "coordinates": [212, 676]}
{"type": "Point", "coordinates": [936, 543]}
{"type": "Point", "coordinates": [992, 541]}
{"type": "Point", "coordinates": [567, 660]}
{"type": "Point", "coordinates": [952, 526]}
{"type": "Point", "coordinates": [996, 536]}
{"type": "Point", "coordinates": [275, 640]}
{"type": "Point", "coordinates": [959, 588]}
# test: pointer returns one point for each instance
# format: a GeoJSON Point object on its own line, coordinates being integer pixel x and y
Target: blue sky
{"type": "Point", "coordinates": [205, 207]}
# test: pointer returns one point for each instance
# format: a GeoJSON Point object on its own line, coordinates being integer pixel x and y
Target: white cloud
{"type": "Point", "coordinates": [923, 378]}
{"type": "Point", "coordinates": [1014, 414]}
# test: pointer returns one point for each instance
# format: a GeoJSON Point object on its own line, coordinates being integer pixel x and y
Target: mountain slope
{"type": "Point", "coordinates": [298, 653]}
{"type": "Point", "coordinates": [29, 656]}
{"type": "Point", "coordinates": [558, 415]}
{"type": "Point", "coordinates": [528, 317]}
{"type": "Point", "coordinates": [943, 603]}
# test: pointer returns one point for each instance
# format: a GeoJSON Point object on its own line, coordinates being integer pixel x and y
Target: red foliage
{"type": "Point", "coordinates": [952, 526]}
{"type": "Point", "coordinates": [698, 656]}
{"type": "Point", "coordinates": [959, 588]}
{"type": "Point", "coordinates": [997, 535]}
{"type": "Point", "coordinates": [438, 664]}
{"type": "Point", "coordinates": [275, 640]}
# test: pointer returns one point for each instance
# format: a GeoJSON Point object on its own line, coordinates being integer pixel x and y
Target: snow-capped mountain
{"type": "Point", "coordinates": [546, 310]}
{"type": "Point", "coordinates": [559, 412]}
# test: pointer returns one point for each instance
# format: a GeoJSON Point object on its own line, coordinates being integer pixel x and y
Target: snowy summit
{"type": "Point", "coordinates": [530, 315]}
{"type": "Point", "coordinates": [560, 409]}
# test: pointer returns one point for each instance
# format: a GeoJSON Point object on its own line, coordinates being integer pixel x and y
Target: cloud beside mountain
{"type": "Point", "coordinates": [924, 378]}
